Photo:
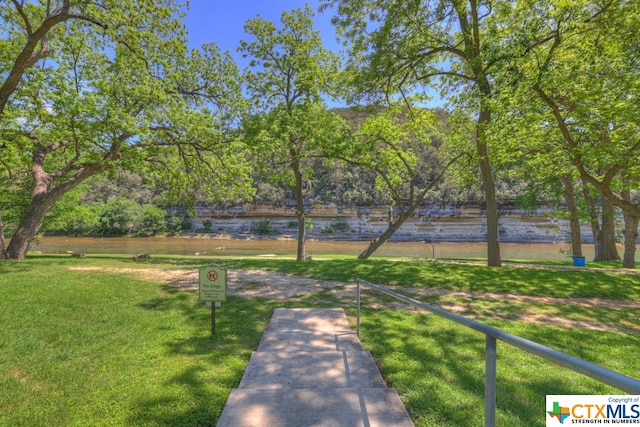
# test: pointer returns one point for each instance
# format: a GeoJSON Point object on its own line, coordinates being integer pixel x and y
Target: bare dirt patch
{"type": "Point", "coordinates": [279, 286]}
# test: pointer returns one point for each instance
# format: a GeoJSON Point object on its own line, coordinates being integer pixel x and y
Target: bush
{"type": "Point", "coordinates": [339, 225]}
{"type": "Point", "coordinates": [327, 229]}
{"type": "Point", "coordinates": [120, 216]}
{"type": "Point", "coordinates": [265, 228]}
{"type": "Point", "coordinates": [152, 220]}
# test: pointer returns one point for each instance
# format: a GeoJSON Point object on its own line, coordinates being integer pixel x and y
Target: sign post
{"type": "Point", "coordinates": [213, 289]}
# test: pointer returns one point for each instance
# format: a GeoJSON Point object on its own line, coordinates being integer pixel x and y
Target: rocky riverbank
{"type": "Point", "coordinates": [431, 223]}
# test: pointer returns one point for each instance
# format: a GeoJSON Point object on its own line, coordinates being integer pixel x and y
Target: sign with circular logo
{"type": "Point", "coordinates": [213, 284]}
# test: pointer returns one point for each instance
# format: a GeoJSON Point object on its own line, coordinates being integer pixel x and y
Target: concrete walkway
{"type": "Point", "coordinates": [310, 370]}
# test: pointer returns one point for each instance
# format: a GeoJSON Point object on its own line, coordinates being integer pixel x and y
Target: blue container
{"type": "Point", "coordinates": [579, 261]}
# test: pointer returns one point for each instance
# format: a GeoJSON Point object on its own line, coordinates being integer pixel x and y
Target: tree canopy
{"type": "Point", "coordinates": [541, 95]}
{"type": "Point", "coordinates": [111, 88]}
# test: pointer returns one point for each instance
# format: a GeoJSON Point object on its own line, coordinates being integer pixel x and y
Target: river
{"type": "Point", "coordinates": [232, 247]}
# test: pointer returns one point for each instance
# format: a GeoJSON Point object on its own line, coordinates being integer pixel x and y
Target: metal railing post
{"type": "Point", "coordinates": [490, 382]}
{"type": "Point", "coordinates": [358, 307]}
{"type": "Point", "coordinates": [606, 376]}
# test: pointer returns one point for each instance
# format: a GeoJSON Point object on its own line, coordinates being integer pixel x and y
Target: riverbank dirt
{"type": "Point", "coordinates": [280, 286]}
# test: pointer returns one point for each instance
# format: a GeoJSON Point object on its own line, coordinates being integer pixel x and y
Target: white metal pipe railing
{"type": "Point", "coordinates": [597, 372]}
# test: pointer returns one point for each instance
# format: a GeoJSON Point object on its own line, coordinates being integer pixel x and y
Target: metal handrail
{"type": "Point", "coordinates": [597, 372]}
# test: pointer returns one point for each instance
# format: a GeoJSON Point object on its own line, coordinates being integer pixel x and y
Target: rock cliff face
{"type": "Point", "coordinates": [430, 223]}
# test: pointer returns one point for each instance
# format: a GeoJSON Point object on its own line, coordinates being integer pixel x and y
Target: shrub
{"type": "Point", "coordinates": [265, 228]}
{"type": "Point", "coordinates": [339, 225]}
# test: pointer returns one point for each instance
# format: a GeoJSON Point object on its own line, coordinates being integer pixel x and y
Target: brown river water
{"type": "Point", "coordinates": [235, 247]}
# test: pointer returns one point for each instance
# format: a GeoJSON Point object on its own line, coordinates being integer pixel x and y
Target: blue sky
{"type": "Point", "coordinates": [223, 21]}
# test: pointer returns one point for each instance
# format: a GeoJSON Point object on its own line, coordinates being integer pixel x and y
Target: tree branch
{"type": "Point", "coordinates": [28, 56]}
{"type": "Point", "coordinates": [24, 17]}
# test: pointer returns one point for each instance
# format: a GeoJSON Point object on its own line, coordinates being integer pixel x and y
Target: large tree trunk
{"type": "Point", "coordinates": [30, 225]}
{"type": "Point", "coordinates": [606, 248]}
{"type": "Point", "coordinates": [300, 214]}
{"type": "Point", "coordinates": [593, 217]}
{"type": "Point", "coordinates": [44, 196]}
{"type": "Point", "coordinates": [630, 236]}
{"type": "Point", "coordinates": [493, 239]}
{"type": "Point", "coordinates": [630, 239]}
{"type": "Point", "coordinates": [469, 19]}
{"type": "Point", "coordinates": [3, 248]}
{"type": "Point", "coordinates": [574, 219]}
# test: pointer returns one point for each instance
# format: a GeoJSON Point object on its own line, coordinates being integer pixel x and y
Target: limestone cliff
{"type": "Point", "coordinates": [431, 223]}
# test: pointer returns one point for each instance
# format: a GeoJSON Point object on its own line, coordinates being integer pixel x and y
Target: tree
{"type": "Point", "coordinates": [289, 73]}
{"type": "Point", "coordinates": [114, 86]}
{"type": "Point", "coordinates": [532, 147]}
{"type": "Point", "coordinates": [401, 48]}
{"type": "Point", "coordinates": [580, 60]}
{"type": "Point", "coordinates": [120, 216]}
{"type": "Point", "coordinates": [82, 220]}
{"type": "Point", "coordinates": [401, 146]}
{"type": "Point", "coordinates": [630, 233]}
{"type": "Point", "coordinates": [574, 216]}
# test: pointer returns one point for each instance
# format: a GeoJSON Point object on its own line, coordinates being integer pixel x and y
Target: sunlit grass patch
{"type": "Point", "coordinates": [437, 366]}
{"type": "Point", "coordinates": [91, 348]}
{"type": "Point", "coordinates": [105, 346]}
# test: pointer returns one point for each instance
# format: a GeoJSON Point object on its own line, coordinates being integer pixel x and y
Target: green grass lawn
{"type": "Point", "coordinates": [92, 348]}
{"type": "Point", "coordinates": [86, 347]}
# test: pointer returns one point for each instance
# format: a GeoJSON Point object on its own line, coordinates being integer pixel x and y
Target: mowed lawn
{"type": "Point", "coordinates": [106, 347]}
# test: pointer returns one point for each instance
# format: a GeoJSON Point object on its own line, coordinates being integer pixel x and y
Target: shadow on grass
{"type": "Point", "coordinates": [14, 267]}
{"type": "Point", "coordinates": [614, 351]}
{"type": "Point", "coordinates": [525, 281]}
{"type": "Point", "coordinates": [168, 410]}
{"type": "Point", "coordinates": [438, 368]}
{"type": "Point", "coordinates": [207, 367]}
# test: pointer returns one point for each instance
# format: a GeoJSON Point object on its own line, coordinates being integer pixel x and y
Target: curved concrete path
{"type": "Point", "coordinates": [310, 370]}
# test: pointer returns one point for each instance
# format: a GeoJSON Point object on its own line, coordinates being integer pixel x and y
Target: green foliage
{"type": "Point", "coordinates": [177, 222]}
{"type": "Point", "coordinates": [265, 228]}
{"type": "Point", "coordinates": [82, 220]}
{"type": "Point", "coordinates": [207, 224]}
{"type": "Point", "coordinates": [152, 220]}
{"type": "Point", "coordinates": [142, 188]}
{"type": "Point", "coordinates": [120, 216]}
{"type": "Point", "coordinates": [117, 217]}
{"type": "Point", "coordinates": [291, 65]}
{"type": "Point", "coordinates": [402, 50]}
{"type": "Point", "coordinates": [118, 88]}
{"type": "Point", "coordinates": [398, 145]}
{"type": "Point", "coordinates": [308, 223]}
{"type": "Point", "coordinates": [14, 198]}
{"type": "Point", "coordinates": [567, 104]}
{"type": "Point", "coordinates": [327, 229]}
{"type": "Point", "coordinates": [337, 224]}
